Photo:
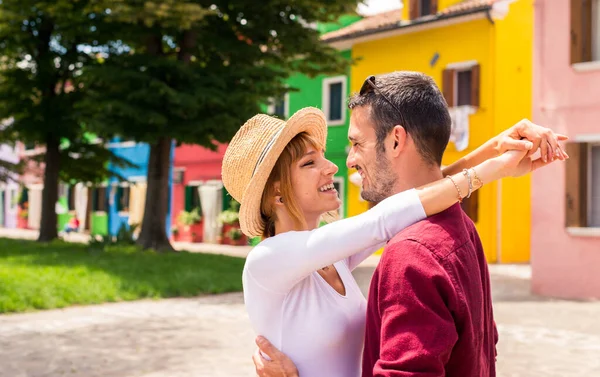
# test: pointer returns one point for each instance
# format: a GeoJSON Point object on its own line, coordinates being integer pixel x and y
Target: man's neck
{"type": "Point", "coordinates": [418, 176]}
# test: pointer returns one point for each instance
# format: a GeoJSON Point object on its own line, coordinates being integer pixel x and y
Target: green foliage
{"type": "Point", "coordinates": [235, 234]}
{"type": "Point", "coordinates": [189, 218]}
{"type": "Point", "coordinates": [54, 275]}
{"type": "Point", "coordinates": [229, 217]}
{"type": "Point", "coordinates": [195, 71]}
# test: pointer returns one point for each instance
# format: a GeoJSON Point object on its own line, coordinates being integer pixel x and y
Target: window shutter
{"type": "Point", "coordinates": [448, 86]}
{"type": "Point", "coordinates": [434, 6]}
{"type": "Point", "coordinates": [471, 206]}
{"type": "Point", "coordinates": [188, 198]}
{"type": "Point", "coordinates": [581, 31]}
{"type": "Point", "coordinates": [475, 86]}
{"type": "Point", "coordinates": [576, 185]}
{"type": "Point", "coordinates": [413, 9]}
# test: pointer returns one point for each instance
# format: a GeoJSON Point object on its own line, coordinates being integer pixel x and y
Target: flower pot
{"type": "Point", "coordinates": [21, 223]}
{"type": "Point", "coordinates": [189, 233]}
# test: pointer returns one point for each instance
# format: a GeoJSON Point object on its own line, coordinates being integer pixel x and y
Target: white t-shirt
{"type": "Point", "coordinates": [290, 304]}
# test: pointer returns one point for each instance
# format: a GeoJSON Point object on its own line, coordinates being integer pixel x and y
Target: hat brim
{"type": "Point", "coordinates": [310, 120]}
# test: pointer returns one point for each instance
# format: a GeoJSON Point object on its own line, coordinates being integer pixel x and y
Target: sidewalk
{"type": "Point", "coordinates": [235, 251]}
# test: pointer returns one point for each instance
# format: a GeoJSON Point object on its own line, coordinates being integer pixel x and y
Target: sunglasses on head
{"type": "Point", "coordinates": [369, 85]}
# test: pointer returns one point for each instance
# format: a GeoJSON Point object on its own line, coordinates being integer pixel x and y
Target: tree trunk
{"type": "Point", "coordinates": [48, 223]}
{"type": "Point", "coordinates": [154, 234]}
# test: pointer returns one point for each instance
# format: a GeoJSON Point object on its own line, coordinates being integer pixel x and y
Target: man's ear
{"type": "Point", "coordinates": [398, 140]}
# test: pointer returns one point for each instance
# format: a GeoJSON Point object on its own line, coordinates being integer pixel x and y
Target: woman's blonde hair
{"type": "Point", "coordinates": [281, 173]}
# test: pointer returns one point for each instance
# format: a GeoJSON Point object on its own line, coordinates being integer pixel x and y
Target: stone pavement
{"type": "Point", "coordinates": [210, 336]}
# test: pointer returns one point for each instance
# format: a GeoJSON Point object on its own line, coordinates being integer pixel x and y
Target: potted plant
{"type": "Point", "coordinates": [22, 217]}
{"type": "Point", "coordinates": [236, 237]}
{"type": "Point", "coordinates": [189, 228]}
{"type": "Point", "coordinates": [228, 219]}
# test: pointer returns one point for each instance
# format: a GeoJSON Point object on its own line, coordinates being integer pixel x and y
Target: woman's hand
{"type": "Point", "coordinates": [527, 136]}
{"type": "Point", "coordinates": [513, 163]}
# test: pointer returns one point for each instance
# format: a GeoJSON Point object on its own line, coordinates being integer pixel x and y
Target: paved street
{"type": "Point", "coordinates": [210, 336]}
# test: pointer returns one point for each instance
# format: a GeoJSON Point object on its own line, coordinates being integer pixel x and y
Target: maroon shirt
{"type": "Point", "coordinates": [430, 305]}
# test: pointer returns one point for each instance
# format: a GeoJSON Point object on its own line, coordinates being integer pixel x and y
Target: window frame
{"type": "Point", "coordinates": [589, 182]}
{"type": "Point", "coordinates": [286, 106]}
{"type": "Point", "coordinates": [341, 194]}
{"type": "Point", "coordinates": [326, 96]}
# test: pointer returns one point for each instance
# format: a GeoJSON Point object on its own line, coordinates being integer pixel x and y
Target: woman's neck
{"type": "Point", "coordinates": [284, 223]}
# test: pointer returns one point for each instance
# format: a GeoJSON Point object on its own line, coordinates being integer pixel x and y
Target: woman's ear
{"type": "Point", "coordinates": [278, 196]}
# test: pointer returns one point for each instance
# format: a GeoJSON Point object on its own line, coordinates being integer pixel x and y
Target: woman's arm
{"type": "Point", "coordinates": [280, 262]}
{"type": "Point", "coordinates": [523, 136]}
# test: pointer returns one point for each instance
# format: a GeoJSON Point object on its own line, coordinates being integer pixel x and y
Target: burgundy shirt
{"type": "Point", "coordinates": [430, 305]}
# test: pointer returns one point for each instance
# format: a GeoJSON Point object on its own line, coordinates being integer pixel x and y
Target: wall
{"type": "Point", "coordinates": [200, 164]}
{"type": "Point", "coordinates": [10, 189]}
{"type": "Point", "coordinates": [563, 265]}
{"type": "Point", "coordinates": [513, 55]}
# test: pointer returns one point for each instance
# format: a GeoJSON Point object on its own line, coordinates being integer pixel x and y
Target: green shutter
{"type": "Point", "coordinates": [188, 197]}
{"type": "Point", "coordinates": [118, 197]}
{"type": "Point", "coordinates": [226, 199]}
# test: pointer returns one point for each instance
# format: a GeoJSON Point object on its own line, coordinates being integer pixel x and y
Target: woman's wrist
{"type": "Point", "coordinates": [489, 171]}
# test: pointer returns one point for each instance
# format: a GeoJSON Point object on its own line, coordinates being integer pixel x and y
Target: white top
{"type": "Point", "coordinates": [290, 304]}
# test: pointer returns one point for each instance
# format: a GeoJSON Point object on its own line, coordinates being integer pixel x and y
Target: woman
{"type": "Point", "coordinates": [298, 287]}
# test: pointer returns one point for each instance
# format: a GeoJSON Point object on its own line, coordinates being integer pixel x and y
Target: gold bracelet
{"type": "Point", "coordinates": [460, 199]}
{"type": "Point", "coordinates": [468, 175]}
{"type": "Point", "coordinates": [477, 182]}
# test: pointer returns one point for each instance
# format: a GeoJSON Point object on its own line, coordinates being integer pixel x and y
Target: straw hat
{"type": "Point", "coordinates": [252, 153]}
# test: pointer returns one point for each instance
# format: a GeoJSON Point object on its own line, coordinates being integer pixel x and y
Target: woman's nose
{"type": "Point", "coordinates": [331, 168]}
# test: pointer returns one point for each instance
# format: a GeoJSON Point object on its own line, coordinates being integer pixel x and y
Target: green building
{"type": "Point", "coordinates": [330, 94]}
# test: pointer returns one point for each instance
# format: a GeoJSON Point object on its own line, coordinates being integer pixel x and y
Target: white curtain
{"type": "Point", "coordinates": [11, 205]}
{"type": "Point", "coordinates": [81, 202]}
{"type": "Point", "coordinates": [35, 207]}
{"type": "Point", "coordinates": [211, 200]}
{"type": "Point", "coordinates": [137, 200]}
{"type": "Point", "coordinates": [460, 126]}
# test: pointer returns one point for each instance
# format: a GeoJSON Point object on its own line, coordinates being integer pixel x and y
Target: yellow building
{"type": "Point", "coordinates": [480, 54]}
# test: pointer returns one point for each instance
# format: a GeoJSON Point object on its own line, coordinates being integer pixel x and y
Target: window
{"type": "Point", "coordinates": [460, 84]}
{"type": "Point", "coordinates": [585, 31]}
{"type": "Point", "coordinates": [334, 100]}
{"type": "Point", "coordinates": [280, 107]}
{"type": "Point", "coordinates": [192, 198]}
{"type": "Point", "coordinates": [71, 198]}
{"type": "Point", "coordinates": [99, 200]}
{"type": "Point", "coordinates": [594, 186]}
{"type": "Point", "coordinates": [338, 183]}
{"type": "Point", "coordinates": [583, 185]}
{"type": "Point", "coordinates": [178, 174]}
{"type": "Point", "coordinates": [122, 198]}
{"type": "Point", "coordinates": [471, 206]}
{"type": "Point", "coordinates": [421, 8]}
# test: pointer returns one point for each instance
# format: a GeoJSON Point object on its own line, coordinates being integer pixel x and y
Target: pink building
{"type": "Point", "coordinates": [565, 239]}
{"type": "Point", "coordinates": [195, 167]}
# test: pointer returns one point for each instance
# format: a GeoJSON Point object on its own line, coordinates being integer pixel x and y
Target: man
{"type": "Point", "coordinates": [430, 308]}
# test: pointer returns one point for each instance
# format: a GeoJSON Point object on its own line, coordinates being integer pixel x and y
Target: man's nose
{"type": "Point", "coordinates": [350, 163]}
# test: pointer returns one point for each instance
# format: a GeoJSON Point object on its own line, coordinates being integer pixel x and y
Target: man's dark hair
{"type": "Point", "coordinates": [418, 106]}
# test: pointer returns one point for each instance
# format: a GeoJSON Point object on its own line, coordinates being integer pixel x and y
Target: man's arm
{"type": "Point", "coordinates": [417, 328]}
{"type": "Point", "coordinates": [524, 135]}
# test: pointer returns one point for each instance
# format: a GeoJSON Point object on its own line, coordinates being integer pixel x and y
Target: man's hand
{"type": "Point", "coordinates": [526, 135]}
{"type": "Point", "coordinates": [279, 366]}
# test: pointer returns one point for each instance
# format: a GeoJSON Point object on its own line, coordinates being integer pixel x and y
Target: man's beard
{"type": "Point", "coordinates": [382, 186]}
